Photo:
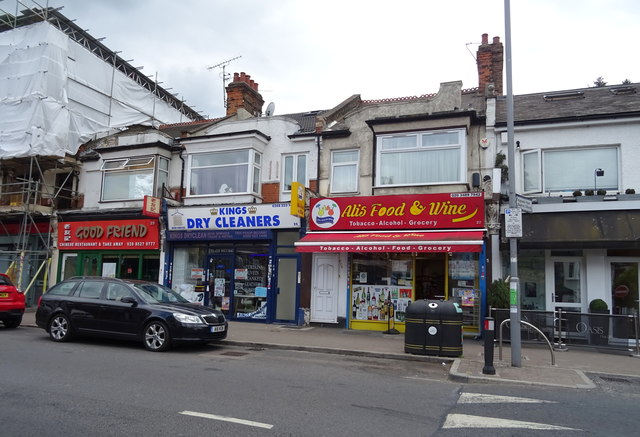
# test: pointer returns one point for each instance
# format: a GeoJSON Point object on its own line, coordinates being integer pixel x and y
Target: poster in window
{"type": "Point", "coordinates": [218, 288]}
{"type": "Point", "coordinates": [241, 274]}
{"type": "Point", "coordinates": [197, 273]}
{"type": "Point", "coordinates": [462, 266]}
{"type": "Point", "coordinates": [466, 296]}
{"type": "Point", "coordinates": [109, 270]}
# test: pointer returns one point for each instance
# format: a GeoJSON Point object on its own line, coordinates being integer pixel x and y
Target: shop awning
{"type": "Point", "coordinates": [387, 241]}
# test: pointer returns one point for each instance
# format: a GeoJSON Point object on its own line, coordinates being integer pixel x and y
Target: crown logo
{"type": "Point", "coordinates": [252, 210]}
{"type": "Point", "coordinates": [214, 211]}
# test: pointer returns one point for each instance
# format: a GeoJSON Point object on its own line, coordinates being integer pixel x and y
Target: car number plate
{"type": "Point", "coordinates": [217, 328]}
{"type": "Point", "coordinates": [4, 294]}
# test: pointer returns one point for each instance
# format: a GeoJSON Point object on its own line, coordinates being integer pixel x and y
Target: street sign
{"type": "Point", "coordinates": [513, 223]}
{"type": "Point", "coordinates": [524, 203]}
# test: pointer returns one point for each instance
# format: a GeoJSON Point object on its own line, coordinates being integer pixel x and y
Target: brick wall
{"type": "Point", "coordinates": [490, 61]}
{"type": "Point", "coordinates": [243, 93]}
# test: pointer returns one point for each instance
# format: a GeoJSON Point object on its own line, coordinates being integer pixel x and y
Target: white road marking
{"type": "Point", "coordinates": [467, 421]}
{"type": "Point", "coordinates": [227, 419]}
{"type": "Point", "coordinates": [478, 398]}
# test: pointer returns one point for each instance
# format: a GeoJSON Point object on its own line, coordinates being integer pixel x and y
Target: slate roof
{"type": "Point", "coordinates": [572, 105]}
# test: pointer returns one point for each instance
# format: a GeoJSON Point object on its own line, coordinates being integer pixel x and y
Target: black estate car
{"type": "Point", "coordinates": [126, 309]}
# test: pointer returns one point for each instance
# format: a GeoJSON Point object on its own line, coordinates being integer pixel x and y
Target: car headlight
{"type": "Point", "coordinates": [186, 318]}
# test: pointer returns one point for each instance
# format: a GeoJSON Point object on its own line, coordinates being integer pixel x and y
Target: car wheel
{"type": "Point", "coordinates": [12, 323]}
{"type": "Point", "coordinates": [60, 328]}
{"type": "Point", "coordinates": [156, 336]}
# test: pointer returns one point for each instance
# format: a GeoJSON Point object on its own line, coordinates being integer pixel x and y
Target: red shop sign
{"type": "Point", "coordinates": [109, 234]}
{"type": "Point", "coordinates": [418, 211]}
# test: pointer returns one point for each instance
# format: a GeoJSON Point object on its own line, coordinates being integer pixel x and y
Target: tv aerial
{"type": "Point", "coordinates": [225, 76]}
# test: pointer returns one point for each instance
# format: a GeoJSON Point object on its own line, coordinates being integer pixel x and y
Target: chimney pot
{"type": "Point", "coordinates": [485, 38]}
{"type": "Point", "coordinates": [496, 39]}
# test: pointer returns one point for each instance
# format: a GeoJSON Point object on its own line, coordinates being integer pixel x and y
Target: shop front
{"type": "Point", "coordinates": [398, 249]}
{"type": "Point", "coordinates": [237, 258]}
{"type": "Point", "coordinates": [126, 249]}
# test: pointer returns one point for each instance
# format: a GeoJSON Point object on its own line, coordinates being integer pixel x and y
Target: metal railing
{"type": "Point", "coordinates": [613, 332]}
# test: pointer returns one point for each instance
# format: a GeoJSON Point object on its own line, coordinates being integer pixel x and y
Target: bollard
{"type": "Point", "coordinates": [489, 336]}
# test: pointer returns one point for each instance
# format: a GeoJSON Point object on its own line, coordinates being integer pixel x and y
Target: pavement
{"type": "Point", "coordinates": [574, 367]}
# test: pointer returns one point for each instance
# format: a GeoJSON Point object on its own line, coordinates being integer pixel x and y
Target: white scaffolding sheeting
{"type": "Point", "coordinates": [56, 95]}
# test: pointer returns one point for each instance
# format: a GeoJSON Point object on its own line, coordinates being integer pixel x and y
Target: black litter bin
{"type": "Point", "coordinates": [433, 327]}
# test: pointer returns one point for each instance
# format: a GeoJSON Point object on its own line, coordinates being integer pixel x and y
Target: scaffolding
{"type": "Point", "coordinates": [32, 190]}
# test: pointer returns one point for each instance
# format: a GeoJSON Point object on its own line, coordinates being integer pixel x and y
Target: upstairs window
{"type": "Point", "coordinates": [421, 158]}
{"type": "Point", "coordinates": [134, 178]}
{"type": "Point", "coordinates": [559, 170]}
{"type": "Point", "coordinates": [344, 171]}
{"type": "Point", "coordinates": [294, 170]}
{"type": "Point", "coordinates": [219, 173]}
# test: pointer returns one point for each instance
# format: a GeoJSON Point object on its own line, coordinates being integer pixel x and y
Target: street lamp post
{"type": "Point", "coordinates": [514, 283]}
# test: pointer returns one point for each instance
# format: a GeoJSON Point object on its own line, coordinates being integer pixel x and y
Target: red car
{"type": "Point", "coordinates": [11, 303]}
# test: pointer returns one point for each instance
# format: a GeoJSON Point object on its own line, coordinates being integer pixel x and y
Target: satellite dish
{"type": "Point", "coordinates": [270, 108]}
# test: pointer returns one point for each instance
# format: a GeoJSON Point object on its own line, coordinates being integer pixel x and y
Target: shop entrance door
{"type": "Point", "coordinates": [286, 288]}
{"type": "Point", "coordinates": [324, 294]}
{"type": "Point", "coordinates": [566, 284]}
{"type": "Point", "coordinates": [68, 267]}
{"type": "Point", "coordinates": [219, 277]}
{"type": "Point", "coordinates": [624, 282]}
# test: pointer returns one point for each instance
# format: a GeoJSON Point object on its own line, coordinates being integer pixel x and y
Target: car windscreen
{"type": "Point", "coordinates": [156, 293]}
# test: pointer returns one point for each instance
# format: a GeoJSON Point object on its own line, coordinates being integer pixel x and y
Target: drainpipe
{"type": "Point", "coordinates": [318, 145]}
{"type": "Point", "coordinates": [181, 173]}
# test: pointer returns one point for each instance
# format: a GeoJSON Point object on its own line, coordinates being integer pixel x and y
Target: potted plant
{"type": "Point", "coordinates": [598, 322]}
{"type": "Point", "coordinates": [601, 192]}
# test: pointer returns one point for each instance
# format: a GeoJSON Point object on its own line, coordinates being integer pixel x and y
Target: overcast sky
{"type": "Point", "coordinates": [309, 55]}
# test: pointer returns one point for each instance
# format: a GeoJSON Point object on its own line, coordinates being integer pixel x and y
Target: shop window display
{"type": "Point", "coordinates": [382, 286]}
{"type": "Point", "coordinates": [464, 288]}
{"type": "Point", "coordinates": [188, 273]}
{"type": "Point", "coordinates": [250, 279]}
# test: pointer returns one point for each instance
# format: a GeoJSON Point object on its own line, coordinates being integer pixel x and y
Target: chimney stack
{"type": "Point", "coordinates": [490, 64]}
{"type": "Point", "coordinates": [243, 93]}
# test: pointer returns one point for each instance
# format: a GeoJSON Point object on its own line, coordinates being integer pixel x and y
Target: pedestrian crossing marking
{"type": "Point", "coordinates": [479, 398]}
{"type": "Point", "coordinates": [468, 421]}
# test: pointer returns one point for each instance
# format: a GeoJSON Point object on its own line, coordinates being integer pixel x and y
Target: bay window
{"type": "Point", "coordinates": [420, 158]}
{"type": "Point", "coordinates": [235, 171]}
{"type": "Point", "coordinates": [133, 178]}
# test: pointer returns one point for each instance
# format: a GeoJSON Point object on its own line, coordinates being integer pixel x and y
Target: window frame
{"type": "Point", "coordinates": [144, 164]}
{"type": "Point", "coordinates": [541, 171]}
{"type": "Point", "coordinates": [419, 146]}
{"type": "Point", "coordinates": [253, 165]}
{"type": "Point", "coordinates": [355, 163]}
{"type": "Point", "coordinates": [294, 178]}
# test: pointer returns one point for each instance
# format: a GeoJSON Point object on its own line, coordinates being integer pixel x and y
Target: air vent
{"type": "Point", "coordinates": [622, 90]}
{"type": "Point", "coordinates": [569, 95]}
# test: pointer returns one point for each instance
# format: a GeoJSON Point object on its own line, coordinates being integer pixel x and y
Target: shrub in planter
{"type": "Point", "coordinates": [598, 306]}
{"type": "Point", "coordinates": [588, 192]}
{"type": "Point", "coordinates": [577, 193]}
{"type": "Point", "coordinates": [629, 191]}
{"type": "Point", "coordinates": [498, 294]}
{"type": "Point", "coordinates": [601, 192]}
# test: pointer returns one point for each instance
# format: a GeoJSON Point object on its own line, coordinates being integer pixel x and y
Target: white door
{"type": "Point", "coordinates": [565, 282]}
{"type": "Point", "coordinates": [324, 291]}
